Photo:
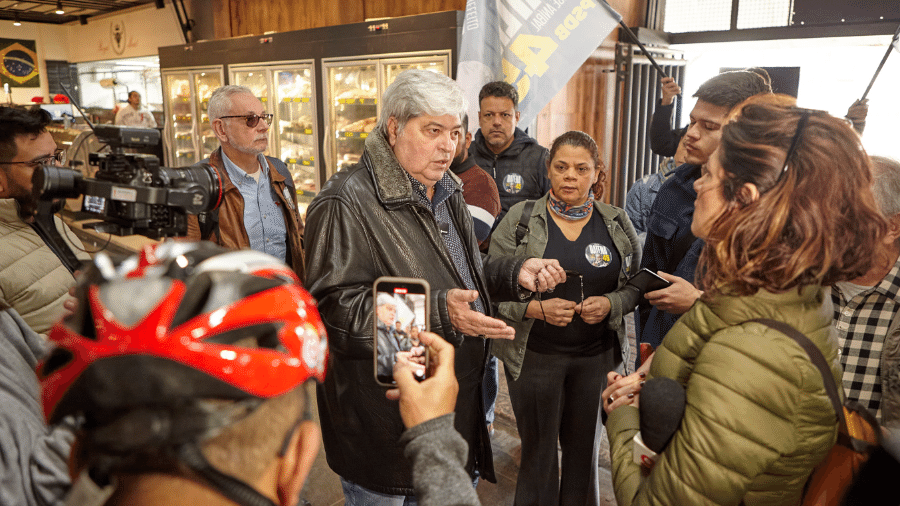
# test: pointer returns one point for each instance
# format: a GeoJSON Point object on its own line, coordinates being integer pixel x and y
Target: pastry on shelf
{"type": "Point", "coordinates": [356, 93]}
{"type": "Point", "coordinates": [300, 126]}
{"type": "Point", "coordinates": [363, 125]}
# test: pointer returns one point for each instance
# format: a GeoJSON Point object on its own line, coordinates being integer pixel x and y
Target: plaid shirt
{"type": "Point", "coordinates": [862, 324]}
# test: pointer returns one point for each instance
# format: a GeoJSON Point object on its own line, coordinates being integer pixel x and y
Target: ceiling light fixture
{"type": "Point", "coordinates": [17, 21]}
{"type": "Point", "coordinates": [59, 9]}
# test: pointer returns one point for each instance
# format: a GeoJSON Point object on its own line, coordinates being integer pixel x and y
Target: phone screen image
{"type": "Point", "coordinates": [401, 313]}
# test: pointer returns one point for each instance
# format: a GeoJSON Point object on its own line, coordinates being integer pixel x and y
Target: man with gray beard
{"type": "Point", "coordinates": [259, 203]}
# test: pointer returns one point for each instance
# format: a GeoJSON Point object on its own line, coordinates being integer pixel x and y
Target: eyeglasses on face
{"type": "Point", "coordinates": [58, 158]}
{"type": "Point", "coordinates": [253, 119]}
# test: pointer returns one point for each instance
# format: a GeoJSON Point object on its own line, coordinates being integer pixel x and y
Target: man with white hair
{"type": "Point", "coordinates": [259, 203]}
{"type": "Point", "coordinates": [388, 346]}
{"type": "Point", "coordinates": [401, 212]}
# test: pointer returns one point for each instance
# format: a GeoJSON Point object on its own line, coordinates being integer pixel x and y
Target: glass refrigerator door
{"type": "Point", "coordinates": [392, 68]}
{"type": "Point", "coordinates": [257, 79]}
{"type": "Point", "coordinates": [205, 83]}
{"type": "Point", "coordinates": [353, 107]}
{"type": "Point", "coordinates": [296, 129]}
{"type": "Point", "coordinates": [183, 151]}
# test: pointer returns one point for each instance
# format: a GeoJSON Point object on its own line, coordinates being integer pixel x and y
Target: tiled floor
{"type": "Point", "coordinates": [324, 489]}
{"type": "Point", "coordinates": [507, 449]}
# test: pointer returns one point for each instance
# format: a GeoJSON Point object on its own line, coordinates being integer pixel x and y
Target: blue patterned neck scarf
{"type": "Point", "coordinates": [571, 213]}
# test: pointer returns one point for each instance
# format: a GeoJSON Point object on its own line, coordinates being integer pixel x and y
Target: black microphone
{"type": "Point", "coordinates": [661, 409]}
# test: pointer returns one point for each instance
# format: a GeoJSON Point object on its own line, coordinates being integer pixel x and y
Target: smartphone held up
{"type": "Point", "coordinates": [401, 313]}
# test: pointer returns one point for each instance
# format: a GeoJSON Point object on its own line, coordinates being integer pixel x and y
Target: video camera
{"type": "Point", "coordinates": [132, 193]}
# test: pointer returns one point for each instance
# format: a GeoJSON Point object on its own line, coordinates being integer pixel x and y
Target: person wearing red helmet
{"type": "Point", "coordinates": [194, 391]}
{"type": "Point", "coordinates": [195, 386]}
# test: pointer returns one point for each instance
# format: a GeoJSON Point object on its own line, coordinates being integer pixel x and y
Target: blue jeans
{"type": "Point", "coordinates": [356, 495]}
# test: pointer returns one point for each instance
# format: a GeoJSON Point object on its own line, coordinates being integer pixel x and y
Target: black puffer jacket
{"type": "Point", "coordinates": [520, 170]}
{"type": "Point", "coordinates": [365, 223]}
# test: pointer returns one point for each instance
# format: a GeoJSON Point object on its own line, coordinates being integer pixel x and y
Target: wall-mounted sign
{"type": "Point", "coordinates": [117, 36]}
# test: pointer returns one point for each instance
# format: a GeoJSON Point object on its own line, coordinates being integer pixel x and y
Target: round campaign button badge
{"type": "Point", "coordinates": [598, 255]}
{"type": "Point", "coordinates": [512, 183]}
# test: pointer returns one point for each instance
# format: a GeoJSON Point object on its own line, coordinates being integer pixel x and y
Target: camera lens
{"type": "Point", "coordinates": [51, 182]}
{"type": "Point", "coordinates": [199, 187]}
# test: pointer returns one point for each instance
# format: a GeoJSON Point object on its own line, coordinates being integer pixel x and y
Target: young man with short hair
{"type": "Point", "coordinates": [670, 248]}
{"type": "Point", "coordinates": [516, 161]}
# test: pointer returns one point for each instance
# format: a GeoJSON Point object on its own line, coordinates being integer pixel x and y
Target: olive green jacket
{"type": "Point", "coordinates": [757, 417]}
{"type": "Point", "coordinates": [622, 300]}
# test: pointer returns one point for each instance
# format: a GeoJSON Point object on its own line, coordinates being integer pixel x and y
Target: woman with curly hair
{"type": "Point", "coordinates": [567, 341]}
{"type": "Point", "coordinates": [786, 210]}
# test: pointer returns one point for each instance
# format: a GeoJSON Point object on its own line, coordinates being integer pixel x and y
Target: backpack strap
{"type": "Point", "coordinates": [209, 221]}
{"type": "Point", "coordinates": [524, 220]}
{"type": "Point", "coordinates": [209, 224]}
{"type": "Point", "coordinates": [818, 360]}
{"type": "Point", "coordinates": [282, 169]}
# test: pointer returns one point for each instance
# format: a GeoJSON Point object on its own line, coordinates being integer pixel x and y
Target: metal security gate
{"type": "Point", "coordinates": [637, 93]}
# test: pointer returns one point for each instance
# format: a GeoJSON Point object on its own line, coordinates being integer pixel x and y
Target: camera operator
{"type": "Point", "coordinates": [33, 280]}
{"type": "Point", "coordinates": [259, 203]}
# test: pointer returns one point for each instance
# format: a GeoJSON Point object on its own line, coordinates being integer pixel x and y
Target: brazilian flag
{"type": "Point", "coordinates": [19, 63]}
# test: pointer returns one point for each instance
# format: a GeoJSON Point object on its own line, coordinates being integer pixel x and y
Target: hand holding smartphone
{"type": "Point", "coordinates": [648, 281]}
{"type": "Point", "coordinates": [421, 401]}
{"type": "Point", "coordinates": [402, 307]}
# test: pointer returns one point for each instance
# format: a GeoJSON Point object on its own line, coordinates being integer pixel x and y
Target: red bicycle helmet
{"type": "Point", "coordinates": [183, 321]}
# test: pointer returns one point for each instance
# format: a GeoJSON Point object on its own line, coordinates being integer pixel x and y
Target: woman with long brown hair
{"type": "Point", "coordinates": [786, 210]}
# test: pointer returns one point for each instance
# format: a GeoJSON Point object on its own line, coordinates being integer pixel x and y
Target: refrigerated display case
{"type": "Point", "coordinates": [188, 135]}
{"type": "Point", "coordinates": [287, 90]}
{"type": "Point", "coordinates": [255, 78]}
{"type": "Point", "coordinates": [341, 111]}
{"type": "Point", "coordinates": [353, 109]}
{"type": "Point", "coordinates": [352, 92]}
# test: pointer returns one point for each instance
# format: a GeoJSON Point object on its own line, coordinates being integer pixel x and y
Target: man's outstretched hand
{"type": "Point", "coordinates": [541, 275]}
{"type": "Point", "coordinates": [471, 322]}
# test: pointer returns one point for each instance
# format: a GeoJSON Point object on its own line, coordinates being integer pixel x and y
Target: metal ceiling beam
{"type": "Point", "coordinates": [73, 9]}
{"type": "Point", "coordinates": [786, 32]}
{"type": "Point", "coordinates": [109, 5]}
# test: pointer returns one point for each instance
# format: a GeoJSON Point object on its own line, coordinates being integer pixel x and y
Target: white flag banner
{"type": "Point", "coordinates": [896, 43]}
{"type": "Point", "coordinates": [535, 45]}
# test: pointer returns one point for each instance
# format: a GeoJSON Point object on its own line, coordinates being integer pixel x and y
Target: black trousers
{"type": "Point", "coordinates": [557, 397]}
